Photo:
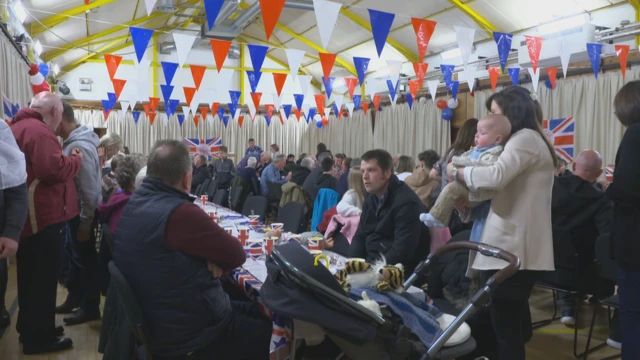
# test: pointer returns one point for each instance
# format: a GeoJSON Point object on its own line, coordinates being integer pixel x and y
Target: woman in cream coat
{"type": "Point", "coordinates": [520, 217]}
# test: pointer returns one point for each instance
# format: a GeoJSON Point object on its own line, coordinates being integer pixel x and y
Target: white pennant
{"type": "Point", "coordinates": [149, 4]}
{"type": "Point", "coordinates": [465, 36]}
{"type": "Point", "coordinates": [350, 107]}
{"type": "Point", "coordinates": [394, 66]}
{"type": "Point", "coordinates": [305, 81]}
{"type": "Point", "coordinates": [535, 77]}
{"type": "Point", "coordinates": [184, 43]}
{"type": "Point", "coordinates": [393, 100]}
{"type": "Point", "coordinates": [125, 106]}
{"type": "Point", "coordinates": [326, 17]}
{"type": "Point", "coordinates": [394, 77]}
{"type": "Point", "coordinates": [372, 86]}
{"type": "Point", "coordinates": [252, 109]}
{"type": "Point", "coordinates": [339, 100]}
{"type": "Point", "coordinates": [470, 73]}
{"type": "Point", "coordinates": [224, 79]}
{"type": "Point", "coordinates": [327, 111]}
{"type": "Point", "coordinates": [565, 55]}
{"type": "Point", "coordinates": [432, 85]}
{"type": "Point", "coordinates": [185, 111]}
{"type": "Point", "coordinates": [294, 57]}
{"type": "Point", "coordinates": [277, 101]}
{"type": "Point", "coordinates": [194, 105]}
{"type": "Point", "coordinates": [142, 69]}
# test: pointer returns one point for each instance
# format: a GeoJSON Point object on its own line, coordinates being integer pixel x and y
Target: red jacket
{"type": "Point", "coordinates": [52, 193]}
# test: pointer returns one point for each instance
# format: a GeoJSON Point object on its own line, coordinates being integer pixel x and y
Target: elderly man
{"type": "Point", "coordinates": [250, 176]}
{"type": "Point", "coordinates": [300, 172]}
{"type": "Point", "coordinates": [83, 285]}
{"type": "Point", "coordinates": [173, 255]}
{"type": "Point", "coordinates": [52, 202]}
{"type": "Point", "coordinates": [271, 174]}
{"type": "Point", "coordinates": [200, 172]}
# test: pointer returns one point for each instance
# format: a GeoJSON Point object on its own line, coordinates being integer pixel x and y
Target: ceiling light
{"type": "Point", "coordinates": [37, 48]}
{"type": "Point", "coordinates": [19, 11]}
{"type": "Point", "coordinates": [450, 54]}
{"type": "Point", "coordinates": [561, 25]}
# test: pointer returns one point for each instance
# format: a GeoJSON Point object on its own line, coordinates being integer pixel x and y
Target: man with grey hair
{"type": "Point", "coordinates": [250, 176]}
{"type": "Point", "coordinates": [200, 171]}
{"type": "Point", "coordinates": [271, 174]}
{"type": "Point", "coordinates": [110, 146]}
{"type": "Point", "coordinates": [300, 172]}
{"type": "Point", "coordinates": [173, 256]}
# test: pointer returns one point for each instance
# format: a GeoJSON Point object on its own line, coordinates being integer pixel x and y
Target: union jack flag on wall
{"type": "Point", "coordinates": [207, 147]}
{"type": "Point", "coordinates": [561, 133]}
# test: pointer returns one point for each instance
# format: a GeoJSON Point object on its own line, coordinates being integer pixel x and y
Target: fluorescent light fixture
{"type": "Point", "coordinates": [450, 54]}
{"type": "Point", "coordinates": [561, 25]}
{"type": "Point", "coordinates": [19, 11]}
{"type": "Point", "coordinates": [37, 48]}
{"type": "Point", "coordinates": [55, 68]}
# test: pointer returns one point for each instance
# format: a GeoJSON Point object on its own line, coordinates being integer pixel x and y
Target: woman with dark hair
{"type": "Point", "coordinates": [624, 191]}
{"type": "Point", "coordinates": [519, 220]}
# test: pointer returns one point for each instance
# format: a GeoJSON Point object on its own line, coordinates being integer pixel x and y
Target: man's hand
{"type": "Point", "coordinates": [83, 234]}
{"type": "Point", "coordinates": [215, 270]}
{"type": "Point", "coordinates": [8, 247]}
{"type": "Point", "coordinates": [288, 178]}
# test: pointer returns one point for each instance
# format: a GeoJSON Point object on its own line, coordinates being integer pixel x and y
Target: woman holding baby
{"type": "Point", "coordinates": [519, 218]}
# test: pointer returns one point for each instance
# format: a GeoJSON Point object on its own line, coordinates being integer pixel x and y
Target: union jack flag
{"type": "Point", "coordinates": [561, 133]}
{"type": "Point", "coordinates": [208, 147]}
{"type": "Point", "coordinates": [10, 109]}
{"type": "Point", "coordinates": [608, 173]}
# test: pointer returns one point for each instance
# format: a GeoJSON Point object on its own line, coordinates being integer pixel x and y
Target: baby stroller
{"type": "Point", "coordinates": [299, 290]}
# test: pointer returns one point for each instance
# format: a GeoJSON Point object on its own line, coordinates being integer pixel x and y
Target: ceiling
{"type": "Point", "coordinates": [73, 35]}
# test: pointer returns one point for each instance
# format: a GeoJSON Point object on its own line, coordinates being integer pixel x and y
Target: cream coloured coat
{"type": "Point", "coordinates": [520, 217]}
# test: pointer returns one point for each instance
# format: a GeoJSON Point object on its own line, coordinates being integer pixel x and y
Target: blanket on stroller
{"type": "Point", "coordinates": [417, 315]}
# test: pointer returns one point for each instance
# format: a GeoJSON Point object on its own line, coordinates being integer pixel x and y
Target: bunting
{"type": "Point", "coordinates": [380, 26]}
{"type": "Point", "coordinates": [424, 29]}
{"type": "Point", "coordinates": [169, 70]}
{"type": "Point", "coordinates": [326, 18]}
{"type": "Point", "coordinates": [189, 92]}
{"type": "Point", "coordinates": [197, 72]}
{"type": "Point", "coordinates": [420, 70]}
{"type": "Point", "coordinates": [212, 10]}
{"type": "Point", "coordinates": [271, 10]}
{"type": "Point", "coordinates": [112, 62]}
{"type": "Point", "coordinates": [494, 74]}
{"type": "Point", "coordinates": [327, 61]}
{"type": "Point", "coordinates": [503, 41]}
{"type": "Point", "coordinates": [220, 49]}
{"type": "Point", "coordinates": [294, 58]}
{"type": "Point", "coordinates": [140, 38]}
{"type": "Point", "coordinates": [279, 80]}
{"type": "Point", "coordinates": [257, 53]}
{"type": "Point", "coordinates": [552, 73]}
{"type": "Point", "coordinates": [351, 85]}
{"type": "Point", "coordinates": [514, 73]}
{"type": "Point", "coordinates": [534, 45]}
{"type": "Point", "coordinates": [328, 85]}
{"type": "Point", "coordinates": [361, 64]}
{"type": "Point", "coordinates": [622, 51]}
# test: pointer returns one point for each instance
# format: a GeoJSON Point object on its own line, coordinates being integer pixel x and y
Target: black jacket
{"type": "Point", "coordinates": [309, 184]}
{"type": "Point", "coordinates": [580, 212]}
{"type": "Point", "coordinates": [13, 211]}
{"type": "Point", "coordinates": [299, 174]}
{"type": "Point", "coordinates": [200, 174]}
{"type": "Point", "coordinates": [326, 181]}
{"type": "Point", "coordinates": [625, 193]}
{"type": "Point", "coordinates": [395, 230]}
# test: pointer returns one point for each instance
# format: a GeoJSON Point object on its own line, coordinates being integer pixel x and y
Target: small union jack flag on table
{"type": "Point", "coordinates": [561, 134]}
{"type": "Point", "coordinates": [608, 173]}
{"type": "Point", "coordinates": [205, 146]}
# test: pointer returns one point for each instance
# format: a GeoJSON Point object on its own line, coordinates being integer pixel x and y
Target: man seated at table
{"type": "Point", "coordinates": [390, 222]}
{"type": "Point", "coordinates": [271, 174]}
{"type": "Point", "coordinates": [172, 256]}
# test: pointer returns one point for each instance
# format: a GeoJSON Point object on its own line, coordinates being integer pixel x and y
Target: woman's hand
{"type": "Point", "coordinates": [450, 168]}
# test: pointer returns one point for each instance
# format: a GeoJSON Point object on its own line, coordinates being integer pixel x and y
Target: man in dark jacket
{"type": "Point", "coordinates": [389, 224]}
{"type": "Point", "coordinates": [309, 185]}
{"type": "Point", "coordinates": [173, 256]}
{"type": "Point", "coordinates": [327, 180]}
{"type": "Point", "coordinates": [223, 169]}
{"type": "Point", "coordinates": [300, 172]}
{"type": "Point", "coordinates": [200, 172]}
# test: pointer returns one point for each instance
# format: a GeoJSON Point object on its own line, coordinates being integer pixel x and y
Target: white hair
{"type": "Point", "coordinates": [141, 175]}
{"type": "Point", "coordinates": [251, 161]}
{"type": "Point", "coordinates": [279, 156]}
{"type": "Point", "coordinates": [307, 162]}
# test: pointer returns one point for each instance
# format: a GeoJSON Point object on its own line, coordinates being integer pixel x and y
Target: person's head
{"type": "Point", "coordinates": [588, 165]}
{"type": "Point", "coordinates": [112, 143]}
{"type": "Point", "coordinates": [626, 104]}
{"type": "Point", "coordinates": [252, 142]}
{"type": "Point", "coordinates": [279, 161]}
{"type": "Point", "coordinates": [275, 148]}
{"type": "Point", "coordinates": [522, 110]}
{"type": "Point", "coordinates": [115, 161]}
{"type": "Point", "coordinates": [327, 164]}
{"type": "Point", "coordinates": [125, 150]}
{"type": "Point", "coordinates": [169, 161]}
{"type": "Point", "coordinates": [200, 160]}
{"type": "Point", "coordinates": [50, 107]}
{"type": "Point", "coordinates": [265, 158]}
{"type": "Point", "coordinates": [377, 168]}
{"type": "Point", "coordinates": [339, 159]}
{"type": "Point", "coordinates": [224, 151]}
{"type": "Point", "coordinates": [355, 162]}
{"type": "Point", "coordinates": [465, 138]}
{"type": "Point", "coordinates": [561, 166]}
{"type": "Point", "coordinates": [321, 148]}
{"type": "Point", "coordinates": [308, 162]}
{"type": "Point", "coordinates": [493, 129]}
{"type": "Point", "coordinates": [251, 162]}
{"type": "Point", "coordinates": [428, 159]}
{"type": "Point", "coordinates": [405, 164]}
{"type": "Point", "coordinates": [303, 155]}
{"type": "Point", "coordinates": [291, 158]}
{"type": "Point", "coordinates": [396, 159]}
{"type": "Point", "coordinates": [346, 164]}
{"type": "Point", "coordinates": [356, 183]}
{"type": "Point", "coordinates": [68, 123]}
{"type": "Point", "coordinates": [128, 169]}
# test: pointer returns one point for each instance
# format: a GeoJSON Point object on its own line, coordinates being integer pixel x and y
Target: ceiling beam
{"type": "Point", "coordinates": [477, 18]}
{"type": "Point", "coordinates": [59, 18]}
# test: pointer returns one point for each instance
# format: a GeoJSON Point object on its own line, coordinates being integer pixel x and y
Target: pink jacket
{"type": "Point", "coordinates": [349, 226]}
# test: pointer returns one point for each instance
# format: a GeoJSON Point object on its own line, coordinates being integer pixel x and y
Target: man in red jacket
{"type": "Point", "coordinates": [52, 202]}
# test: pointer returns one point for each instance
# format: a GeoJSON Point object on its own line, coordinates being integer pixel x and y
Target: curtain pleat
{"type": "Point", "coordinates": [14, 75]}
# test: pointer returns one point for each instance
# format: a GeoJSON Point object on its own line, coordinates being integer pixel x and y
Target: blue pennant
{"type": "Point", "coordinates": [454, 88]}
{"type": "Point", "coordinates": [212, 9]}
{"type": "Point", "coordinates": [594, 51]}
{"type": "Point", "coordinates": [409, 100]}
{"type": "Point", "coordinates": [312, 113]}
{"type": "Point", "coordinates": [106, 104]}
{"type": "Point", "coordinates": [357, 99]}
{"type": "Point", "coordinates": [328, 85]}
{"type": "Point", "coordinates": [167, 109]}
{"type": "Point", "coordinates": [169, 69]}
{"type": "Point", "coordinates": [447, 71]}
{"type": "Point", "coordinates": [173, 105]}
{"type": "Point", "coordinates": [254, 79]}
{"type": "Point", "coordinates": [136, 116]}
{"type": "Point", "coordinates": [361, 64]}
{"type": "Point", "coordinates": [180, 118]}
{"type": "Point", "coordinates": [235, 98]}
{"type": "Point", "coordinates": [225, 120]}
{"type": "Point", "coordinates": [503, 41]}
{"type": "Point", "coordinates": [257, 54]}
{"type": "Point", "coordinates": [514, 73]}
{"type": "Point", "coordinates": [299, 98]}
{"type": "Point", "coordinates": [267, 118]}
{"type": "Point", "coordinates": [166, 92]}
{"type": "Point", "coordinates": [232, 108]}
{"type": "Point", "coordinates": [392, 89]}
{"type": "Point", "coordinates": [220, 113]}
{"type": "Point", "coordinates": [336, 112]}
{"type": "Point", "coordinates": [287, 110]}
{"type": "Point", "coordinates": [380, 26]}
{"type": "Point", "coordinates": [112, 100]}
{"type": "Point", "coordinates": [140, 38]}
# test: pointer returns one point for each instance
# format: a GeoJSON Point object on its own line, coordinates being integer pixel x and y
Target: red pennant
{"type": "Point", "coordinates": [271, 10]}
{"type": "Point", "coordinates": [196, 119]}
{"type": "Point", "coordinates": [106, 114]}
{"type": "Point", "coordinates": [534, 44]}
{"type": "Point", "coordinates": [112, 61]}
{"type": "Point", "coordinates": [623, 53]}
{"type": "Point", "coordinates": [365, 107]}
{"type": "Point", "coordinates": [320, 103]}
{"type": "Point", "coordinates": [152, 117]}
{"type": "Point", "coordinates": [118, 85]}
{"type": "Point", "coordinates": [327, 61]}
{"type": "Point", "coordinates": [240, 120]}
{"type": "Point", "coordinates": [376, 101]}
{"type": "Point", "coordinates": [279, 80]}
{"type": "Point", "coordinates": [204, 110]}
{"type": "Point", "coordinates": [552, 73]}
{"type": "Point", "coordinates": [494, 74]}
{"type": "Point", "coordinates": [351, 85]}
{"type": "Point", "coordinates": [414, 86]}
{"type": "Point", "coordinates": [297, 112]}
{"type": "Point", "coordinates": [256, 99]}
{"type": "Point", "coordinates": [153, 103]}
{"type": "Point", "coordinates": [220, 50]}
{"type": "Point", "coordinates": [420, 69]}
{"type": "Point", "coordinates": [214, 109]}
{"type": "Point", "coordinates": [147, 109]}
{"type": "Point", "coordinates": [269, 109]}
{"type": "Point", "coordinates": [197, 72]}
{"type": "Point", "coordinates": [189, 92]}
{"type": "Point", "coordinates": [423, 29]}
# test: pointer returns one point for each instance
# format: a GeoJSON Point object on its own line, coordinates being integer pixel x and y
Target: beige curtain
{"type": "Point", "coordinates": [14, 75]}
{"type": "Point", "coordinates": [589, 101]}
{"type": "Point", "coordinates": [409, 132]}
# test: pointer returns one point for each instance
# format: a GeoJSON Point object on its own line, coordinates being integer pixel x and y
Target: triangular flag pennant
{"type": "Point", "coordinates": [232, 108]}
{"type": "Point", "coordinates": [240, 120]}
{"type": "Point", "coordinates": [204, 111]}
{"type": "Point", "coordinates": [152, 117]}
{"type": "Point", "coordinates": [257, 53]}
{"type": "Point", "coordinates": [503, 41]}
{"type": "Point", "coordinates": [271, 10]}
{"type": "Point", "coordinates": [535, 78]}
{"type": "Point", "coordinates": [393, 88]}
{"type": "Point", "coordinates": [414, 86]}
{"type": "Point", "coordinates": [254, 79]}
{"type": "Point", "coordinates": [305, 81]}
{"type": "Point", "coordinates": [423, 29]}
{"type": "Point", "coordinates": [494, 74]}
{"type": "Point", "coordinates": [432, 85]}
{"type": "Point", "coordinates": [376, 101]}
{"type": "Point", "coordinates": [256, 99]}
{"type": "Point", "coordinates": [339, 100]}
{"type": "Point", "coordinates": [147, 108]}
{"type": "Point", "coordinates": [124, 105]}
{"type": "Point", "coordinates": [534, 44]}
{"type": "Point", "coordinates": [197, 72]}
{"type": "Point", "coordinates": [320, 103]}
{"type": "Point", "coordinates": [594, 50]}
{"type": "Point", "coordinates": [552, 73]}
{"type": "Point", "coordinates": [515, 74]}
{"type": "Point", "coordinates": [167, 90]}
{"type": "Point", "coordinates": [357, 99]}
{"type": "Point", "coordinates": [327, 61]}
{"type": "Point", "coordinates": [184, 43]}
{"type": "Point", "coordinates": [277, 100]}
{"type": "Point", "coordinates": [454, 89]}
{"type": "Point", "coordinates": [267, 118]}
{"type": "Point", "coordinates": [113, 99]}
{"type": "Point", "coordinates": [252, 111]}
{"type": "Point", "coordinates": [106, 108]}
{"type": "Point", "coordinates": [380, 26]}
{"type": "Point", "coordinates": [167, 110]}
{"type": "Point", "coordinates": [565, 56]}
{"type": "Point", "coordinates": [279, 80]}
{"type": "Point", "coordinates": [194, 107]}
{"type": "Point", "coordinates": [112, 61]}
{"type": "Point", "coordinates": [351, 85]}
{"type": "Point", "coordinates": [421, 70]}
{"type": "Point", "coordinates": [350, 107]}
{"type": "Point", "coordinates": [189, 92]}
{"type": "Point", "coordinates": [372, 87]}
{"type": "Point", "coordinates": [169, 69]}
{"type": "Point", "coordinates": [297, 112]}
{"type": "Point", "coordinates": [136, 116]}
{"type": "Point", "coordinates": [173, 105]}
{"type": "Point", "coordinates": [447, 71]}
{"type": "Point", "coordinates": [225, 120]}
{"type": "Point", "coordinates": [220, 113]}
{"type": "Point", "coordinates": [361, 64]}
{"type": "Point", "coordinates": [294, 58]}
{"type": "Point", "coordinates": [623, 52]}
{"type": "Point", "coordinates": [235, 97]}
{"type": "Point", "coordinates": [196, 119]}
{"type": "Point", "coordinates": [287, 110]}
{"type": "Point", "coordinates": [328, 85]}
{"type": "Point", "coordinates": [365, 107]}
{"type": "Point", "coordinates": [118, 85]}
{"type": "Point", "coordinates": [214, 108]}
{"type": "Point", "coordinates": [336, 111]}
{"type": "Point", "coordinates": [212, 9]}
{"type": "Point", "coordinates": [150, 5]}
{"type": "Point", "coordinates": [409, 98]}
{"type": "Point", "coordinates": [140, 38]}
{"type": "Point", "coordinates": [327, 111]}
{"type": "Point", "coordinates": [180, 119]}
{"type": "Point", "coordinates": [299, 98]}
{"type": "Point", "coordinates": [311, 114]}
{"type": "Point", "coordinates": [220, 50]}
{"type": "Point", "coordinates": [185, 110]}
{"type": "Point", "coordinates": [464, 37]}
{"type": "Point", "coordinates": [326, 17]}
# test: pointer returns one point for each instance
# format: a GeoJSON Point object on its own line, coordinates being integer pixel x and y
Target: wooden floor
{"type": "Point", "coordinates": [552, 342]}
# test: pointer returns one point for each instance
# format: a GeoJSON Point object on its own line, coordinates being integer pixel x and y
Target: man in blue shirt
{"type": "Point", "coordinates": [253, 149]}
{"type": "Point", "coordinates": [271, 174]}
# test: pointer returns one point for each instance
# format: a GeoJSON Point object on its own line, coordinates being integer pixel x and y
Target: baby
{"type": "Point", "coordinates": [493, 132]}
